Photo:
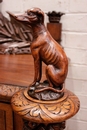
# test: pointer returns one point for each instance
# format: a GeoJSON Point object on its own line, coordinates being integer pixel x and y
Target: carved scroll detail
{"type": "Point", "coordinates": [7, 91]}
{"type": "Point", "coordinates": [45, 111]}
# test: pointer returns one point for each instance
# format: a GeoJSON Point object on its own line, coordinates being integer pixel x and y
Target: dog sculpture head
{"type": "Point", "coordinates": [32, 16]}
{"type": "Point", "coordinates": [35, 15]}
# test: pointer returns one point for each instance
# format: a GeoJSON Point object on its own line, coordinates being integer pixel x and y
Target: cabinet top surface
{"type": "Point", "coordinates": [16, 69]}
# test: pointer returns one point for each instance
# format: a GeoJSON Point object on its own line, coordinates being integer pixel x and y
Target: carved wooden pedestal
{"type": "Point", "coordinates": [45, 115]}
{"type": "Point", "coordinates": [41, 113]}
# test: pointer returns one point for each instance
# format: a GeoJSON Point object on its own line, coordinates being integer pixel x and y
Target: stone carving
{"type": "Point", "coordinates": [45, 48]}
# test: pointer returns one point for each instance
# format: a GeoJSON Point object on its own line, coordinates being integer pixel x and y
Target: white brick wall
{"type": "Point", "coordinates": [75, 22]}
{"type": "Point", "coordinates": [74, 41]}
{"type": "Point", "coordinates": [78, 6]}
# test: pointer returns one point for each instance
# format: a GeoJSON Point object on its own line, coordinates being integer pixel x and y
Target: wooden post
{"type": "Point", "coordinates": [55, 30]}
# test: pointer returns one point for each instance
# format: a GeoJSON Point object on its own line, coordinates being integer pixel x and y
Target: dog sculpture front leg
{"type": "Point", "coordinates": [37, 72]}
{"type": "Point", "coordinates": [37, 67]}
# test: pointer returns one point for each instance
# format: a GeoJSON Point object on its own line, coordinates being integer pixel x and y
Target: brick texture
{"type": "Point", "coordinates": [75, 22]}
{"type": "Point", "coordinates": [78, 6]}
{"type": "Point", "coordinates": [74, 40]}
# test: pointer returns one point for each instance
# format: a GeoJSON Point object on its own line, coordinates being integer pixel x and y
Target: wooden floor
{"type": "Point", "coordinates": [17, 69]}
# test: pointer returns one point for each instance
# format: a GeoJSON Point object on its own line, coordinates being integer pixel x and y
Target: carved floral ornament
{"type": "Point", "coordinates": [45, 111]}
{"type": "Point", "coordinates": [7, 91]}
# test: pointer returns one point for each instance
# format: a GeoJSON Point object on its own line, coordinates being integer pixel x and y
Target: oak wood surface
{"type": "Point", "coordinates": [17, 69]}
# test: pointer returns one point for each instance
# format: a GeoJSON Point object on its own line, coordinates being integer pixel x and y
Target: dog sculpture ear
{"type": "Point", "coordinates": [40, 15]}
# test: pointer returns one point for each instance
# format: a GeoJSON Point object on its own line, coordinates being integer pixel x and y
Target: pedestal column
{"type": "Point", "coordinates": [45, 115]}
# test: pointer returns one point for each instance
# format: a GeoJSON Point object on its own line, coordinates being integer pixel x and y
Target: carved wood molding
{"type": "Point", "coordinates": [15, 37]}
{"type": "Point", "coordinates": [7, 91]}
{"type": "Point", "coordinates": [45, 111]}
{"type": "Point", "coordinates": [35, 126]}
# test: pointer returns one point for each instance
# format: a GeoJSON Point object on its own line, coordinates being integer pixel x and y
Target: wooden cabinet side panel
{"type": "Point", "coordinates": [18, 122]}
{"type": "Point", "coordinates": [2, 120]}
{"type": "Point", "coordinates": [7, 120]}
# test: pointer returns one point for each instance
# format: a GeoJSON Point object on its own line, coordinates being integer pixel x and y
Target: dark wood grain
{"type": "Point", "coordinates": [17, 69]}
{"type": "Point", "coordinates": [55, 30]}
{"type": "Point", "coordinates": [2, 120]}
{"type": "Point", "coordinates": [6, 123]}
{"type": "Point", "coordinates": [18, 126]}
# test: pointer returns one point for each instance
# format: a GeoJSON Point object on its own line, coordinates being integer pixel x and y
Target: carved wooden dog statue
{"type": "Point", "coordinates": [45, 48]}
